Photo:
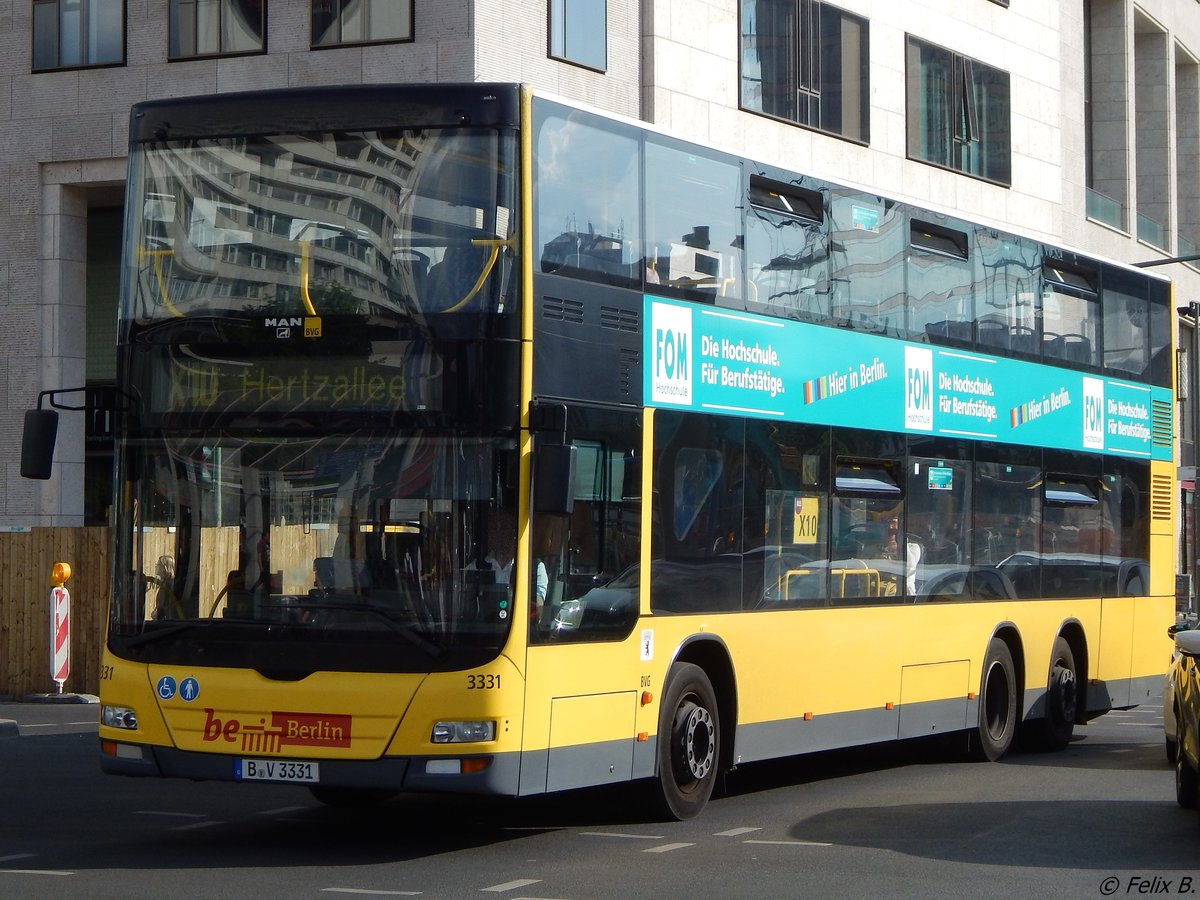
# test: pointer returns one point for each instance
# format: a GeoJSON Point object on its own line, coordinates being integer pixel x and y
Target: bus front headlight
{"type": "Point", "coordinates": [119, 717]}
{"type": "Point", "coordinates": [463, 732]}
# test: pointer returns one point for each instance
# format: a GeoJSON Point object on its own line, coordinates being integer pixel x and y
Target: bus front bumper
{"type": "Point", "coordinates": [475, 774]}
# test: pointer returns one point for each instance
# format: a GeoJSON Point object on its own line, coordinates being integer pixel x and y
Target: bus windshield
{"type": "Point", "coordinates": [307, 324]}
{"type": "Point", "coordinates": [408, 222]}
{"type": "Point", "coordinates": [359, 547]}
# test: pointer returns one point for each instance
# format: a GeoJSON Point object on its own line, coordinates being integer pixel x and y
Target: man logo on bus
{"type": "Point", "coordinates": [918, 389]}
{"type": "Point", "coordinates": [671, 337]}
{"type": "Point", "coordinates": [1093, 413]}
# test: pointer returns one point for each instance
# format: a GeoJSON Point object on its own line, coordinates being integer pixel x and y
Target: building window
{"type": "Point", "coordinates": [958, 113]}
{"type": "Point", "coordinates": [1106, 112]}
{"type": "Point", "coordinates": [69, 33]}
{"type": "Point", "coordinates": [339, 22]}
{"type": "Point", "coordinates": [579, 32]}
{"type": "Point", "coordinates": [807, 62]}
{"type": "Point", "coordinates": [216, 27]}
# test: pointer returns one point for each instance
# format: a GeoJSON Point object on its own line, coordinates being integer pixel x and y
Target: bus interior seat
{"type": "Point", "coordinates": [1076, 348]}
{"type": "Point", "coordinates": [1023, 339]}
{"type": "Point", "coordinates": [950, 332]}
{"type": "Point", "coordinates": [452, 278]}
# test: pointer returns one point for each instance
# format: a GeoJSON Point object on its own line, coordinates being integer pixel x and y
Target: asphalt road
{"type": "Point", "coordinates": [908, 820]}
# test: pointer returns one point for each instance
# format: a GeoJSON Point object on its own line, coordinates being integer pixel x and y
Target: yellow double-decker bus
{"type": "Point", "coordinates": [472, 441]}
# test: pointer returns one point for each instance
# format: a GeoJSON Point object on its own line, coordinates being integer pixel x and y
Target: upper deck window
{"type": "Point", "coordinates": [693, 229]}
{"type": "Point", "coordinates": [787, 251]}
{"type": "Point", "coordinates": [339, 22]}
{"type": "Point", "coordinates": [70, 33]}
{"type": "Point", "coordinates": [579, 32]}
{"type": "Point", "coordinates": [587, 197]}
{"type": "Point", "coordinates": [807, 62]}
{"type": "Point", "coordinates": [1070, 314]}
{"type": "Point", "coordinates": [220, 28]}
{"type": "Point", "coordinates": [941, 282]}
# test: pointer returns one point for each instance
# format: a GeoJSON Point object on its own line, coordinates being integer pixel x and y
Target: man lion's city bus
{"type": "Point", "coordinates": [493, 445]}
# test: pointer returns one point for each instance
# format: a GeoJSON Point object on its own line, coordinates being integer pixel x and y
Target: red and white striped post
{"type": "Point", "coordinates": [60, 624]}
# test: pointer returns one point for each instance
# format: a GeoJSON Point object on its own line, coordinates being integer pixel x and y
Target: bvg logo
{"type": "Point", "coordinates": [671, 337]}
{"type": "Point", "coordinates": [918, 389]}
{"type": "Point", "coordinates": [1093, 413]}
{"type": "Point", "coordinates": [285, 729]}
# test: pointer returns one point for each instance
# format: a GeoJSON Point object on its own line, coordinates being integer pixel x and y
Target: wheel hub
{"type": "Point", "coordinates": [698, 748]}
{"type": "Point", "coordinates": [1064, 683]}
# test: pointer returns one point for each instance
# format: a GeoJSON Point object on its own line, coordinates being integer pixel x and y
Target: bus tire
{"type": "Point", "coordinates": [1053, 732]}
{"type": "Point", "coordinates": [1185, 780]}
{"type": "Point", "coordinates": [997, 704]}
{"type": "Point", "coordinates": [689, 743]}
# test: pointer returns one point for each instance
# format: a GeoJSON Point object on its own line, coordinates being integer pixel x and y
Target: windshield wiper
{"type": "Point", "coordinates": [165, 631]}
{"type": "Point", "coordinates": [407, 630]}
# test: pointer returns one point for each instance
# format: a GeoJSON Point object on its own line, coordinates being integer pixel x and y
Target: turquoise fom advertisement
{"type": "Point", "coordinates": [704, 358]}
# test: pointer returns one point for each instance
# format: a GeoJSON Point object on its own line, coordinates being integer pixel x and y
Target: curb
{"type": "Point", "coordinates": [60, 698]}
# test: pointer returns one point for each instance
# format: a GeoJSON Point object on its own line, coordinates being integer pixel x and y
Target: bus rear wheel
{"type": "Point", "coordinates": [1062, 701]}
{"type": "Point", "coordinates": [689, 743]}
{"type": "Point", "coordinates": [997, 703]}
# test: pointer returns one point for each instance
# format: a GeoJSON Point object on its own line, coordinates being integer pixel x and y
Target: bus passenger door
{"type": "Point", "coordinates": [582, 688]}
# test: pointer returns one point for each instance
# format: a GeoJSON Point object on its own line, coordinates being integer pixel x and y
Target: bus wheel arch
{"type": "Point", "coordinates": [999, 699]}
{"type": "Point", "coordinates": [695, 736]}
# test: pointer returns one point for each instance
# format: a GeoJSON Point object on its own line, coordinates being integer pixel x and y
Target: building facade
{"type": "Point", "coordinates": [1070, 121]}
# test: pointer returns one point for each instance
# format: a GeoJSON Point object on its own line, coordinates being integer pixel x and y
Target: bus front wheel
{"type": "Point", "coordinates": [689, 743]}
{"type": "Point", "coordinates": [997, 703]}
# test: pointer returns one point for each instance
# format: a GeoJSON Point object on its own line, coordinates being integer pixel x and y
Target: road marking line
{"type": "Point", "coordinates": [793, 843]}
{"type": "Point", "coordinates": [511, 885]}
{"type": "Point", "coordinates": [192, 826]}
{"type": "Point", "coordinates": [667, 848]}
{"type": "Point", "coordinates": [283, 810]}
{"type": "Point", "coordinates": [618, 834]}
{"type": "Point", "coordinates": [4, 859]}
{"type": "Point", "coordinates": [33, 872]}
{"type": "Point", "coordinates": [163, 812]}
{"type": "Point", "coordinates": [369, 892]}
{"type": "Point", "coordinates": [734, 832]}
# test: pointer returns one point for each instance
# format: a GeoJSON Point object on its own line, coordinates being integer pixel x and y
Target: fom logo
{"type": "Point", "coordinates": [1093, 414]}
{"type": "Point", "coordinates": [282, 730]}
{"type": "Point", "coordinates": [918, 388]}
{"type": "Point", "coordinates": [670, 336]}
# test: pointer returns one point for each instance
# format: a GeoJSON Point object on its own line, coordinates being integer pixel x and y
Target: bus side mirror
{"type": "Point", "coordinates": [554, 479]}
{"type": "Point", "coordinates": [37, 443]}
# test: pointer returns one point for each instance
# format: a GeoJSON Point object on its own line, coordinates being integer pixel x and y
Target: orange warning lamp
{"type": "Point", "coordinates": [60, 574]}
